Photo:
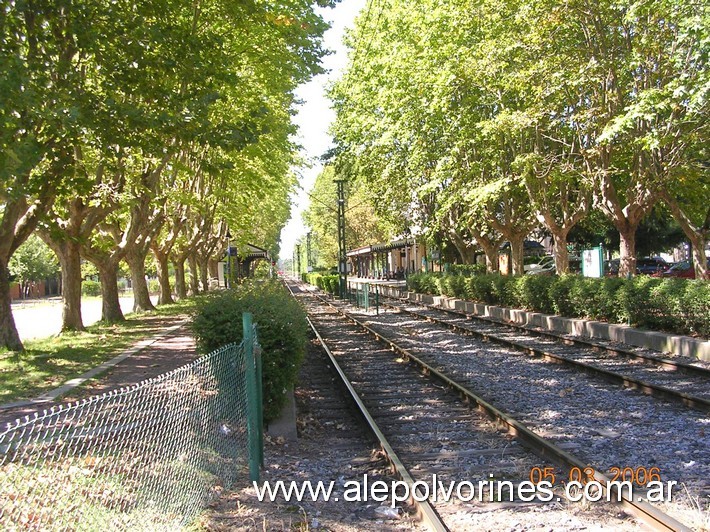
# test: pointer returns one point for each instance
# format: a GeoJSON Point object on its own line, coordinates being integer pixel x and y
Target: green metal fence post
{"type": "Point", "coordinates": [260, 396]}
{"type": "Point", "coordinates": [252, 398]}
{"type": "Point", "coordinates": [377, 299]}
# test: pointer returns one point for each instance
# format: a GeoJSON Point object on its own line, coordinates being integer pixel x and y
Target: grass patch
{"type": "Point", "coordinates": [49, 362]}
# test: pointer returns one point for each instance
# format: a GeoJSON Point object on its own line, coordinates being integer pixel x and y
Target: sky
{"type": "Point", "coordinates": [315, 115]}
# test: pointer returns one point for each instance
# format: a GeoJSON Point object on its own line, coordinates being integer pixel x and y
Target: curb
{"type": "Point", "coordinates": [52, 395]}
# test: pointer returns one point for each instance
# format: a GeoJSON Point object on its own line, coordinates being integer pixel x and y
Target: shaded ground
{"type": "Point", "coordinates": [170, 352]}
{"type": "Point", "coordinates": [333, 445]}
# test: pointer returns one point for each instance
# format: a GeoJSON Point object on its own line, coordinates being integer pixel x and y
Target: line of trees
{"type": "Point", "coordinates": [481, 121]}
{"type": "Point", "coordinates": [154, 127]}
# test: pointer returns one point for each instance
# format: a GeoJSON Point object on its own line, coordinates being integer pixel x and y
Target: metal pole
{"type": "Point", "coordinates": [342, 250]}
{"type": "Point", "coordinates": [227, 280]}
{"type": "Point", "coordinates": [253, 422]}
{"type": "Point", "coordinates": [298, 261]}
{"type": "Point", "coordinates": [259, 396]}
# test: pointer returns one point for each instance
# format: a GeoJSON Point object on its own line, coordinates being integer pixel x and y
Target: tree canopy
{"type": "Point", "coordinates": [155, 125]}
{"type": "Point", "coordinates": [482, 120]}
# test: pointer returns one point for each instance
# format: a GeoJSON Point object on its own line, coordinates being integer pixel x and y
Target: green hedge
{"type": "Point", "coordinates": [90, 288]}
{"type": "Point", "coordinates": [675, 305]}
{"type": "Point", "coordinates": [281, 326]}
{"type": "Point", "coordinates": [324, 281]}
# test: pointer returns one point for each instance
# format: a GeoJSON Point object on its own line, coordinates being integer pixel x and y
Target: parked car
{"type": "Point", "coordinates": [651, 265]}
{"type": "Point", "coordinates": [683, 270]}
{"type": "Point", "coordinates": [644, 266]}
{"type": "Point", "coordinates": [544, 266]}
{"type": "Point", "coordinates": [611, 268]}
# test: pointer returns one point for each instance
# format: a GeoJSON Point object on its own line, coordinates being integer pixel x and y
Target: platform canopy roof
{"type": "Point", "coordinates": [380, 248]}
{"type": "Point", "coordinates": [250, 251]}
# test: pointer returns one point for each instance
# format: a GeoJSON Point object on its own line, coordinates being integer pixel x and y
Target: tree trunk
{"type": "Point", "coordinates": [141, 295]}
{"type": "Point", "coordinates": [9, 336]}
{"type": "Point", "coordinates": [627, 249]}
{"type": "Point", "coordinates": [110, 305]}
{"type": "Point", "coordinates": [194, 275]}
{"type": "Point", "coordinates": [164, 279]}
{"type": "Point", "coordinates": [180, 288]}
{"type": "Point", "coordinates": [213, 268]}
{"type": "Point", "coordinates": [559, 243]}
{"type": "Point", "coordinates": [517, 254]}
{"type": "Point", "coordinates": [491, 251]}
{"type": "Point", "coordinates": [204, 274]}
{"type": "Point", "coordinates": [697, 233]}
{"type": "Point", "coordinates": [466, 251]}
{"type": "Point", "coordinates": [700, 261]}
{"type": "Point", "coordinates": [69, 256]}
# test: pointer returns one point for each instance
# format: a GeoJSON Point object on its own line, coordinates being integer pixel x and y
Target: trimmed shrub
{"type": "Point", "coordinates": [326, 282]}
{"type": "Point", "coordinates": [281, 327]}
{"type": "Point", "coordinates": [560, 295]}
{"type": "Point", "coordinates": [694, 307]}
{"type": "Point", "coordinates": [532, 292]}
{"type": "Point", "coordinates": [424, 283]}
{"type": "Point", "coordinates": [674, 305]}
{"type": "Point", "coordinates": [90, 288]}
{"type": "Point", "coordinates": [453, 285]}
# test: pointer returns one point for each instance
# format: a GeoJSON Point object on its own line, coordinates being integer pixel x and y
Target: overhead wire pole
{"type": "Point", "coordinates": [308, 251]}
{"type": "Point", "coordinates": [298, 261]}
{"type": "Point", "coordinates": [342, 256]}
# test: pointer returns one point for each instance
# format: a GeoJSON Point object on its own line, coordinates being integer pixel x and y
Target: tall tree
{"type": "Point", "coordinates": [41, 110]}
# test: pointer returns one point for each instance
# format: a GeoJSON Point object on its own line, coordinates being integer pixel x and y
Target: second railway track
{"type": "Point", "coordinates": [653, 374]}
{"type": "Point", "coordinates": [433, 431]}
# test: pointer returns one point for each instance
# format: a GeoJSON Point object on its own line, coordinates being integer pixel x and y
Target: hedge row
{"type": "Point", "coordinates": [676, 305]}
{"type": "Point", "coordinates": [326, 282]}
{"type": "Point", "coordinates": [281, 326]}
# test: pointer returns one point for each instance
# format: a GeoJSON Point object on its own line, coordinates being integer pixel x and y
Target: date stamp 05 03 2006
{"type": "Point", "coordinates": [583, 483]}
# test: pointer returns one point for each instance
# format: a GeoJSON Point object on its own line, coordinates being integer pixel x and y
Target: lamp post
{"type": "Point", "coordinates": [227, 280]}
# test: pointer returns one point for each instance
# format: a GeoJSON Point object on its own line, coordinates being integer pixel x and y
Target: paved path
{"type": "Point", "coordinates": [170, 351]}
{"type": "Point", "coordinates": [44, 318]}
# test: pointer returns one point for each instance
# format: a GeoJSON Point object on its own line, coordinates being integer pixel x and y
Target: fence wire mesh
{"type": "Point", "coordinates": [146, 457]}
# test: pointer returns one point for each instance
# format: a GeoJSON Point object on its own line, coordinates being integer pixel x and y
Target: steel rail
{"type": "Point", "coordinates": [599, 347]}
{"type": "Point", "coordinates": [425, 511]}
{"type": "Point", "coordinates": [655, 390]}
{"type": "Point", "coordinates": [649, 514]}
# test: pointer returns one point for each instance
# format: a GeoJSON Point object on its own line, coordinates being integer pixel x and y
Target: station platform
{"type": "Point", "coordinates": [393, 283]}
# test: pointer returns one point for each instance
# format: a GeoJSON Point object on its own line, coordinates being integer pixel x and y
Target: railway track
{"type": "Point", "coordinates": [654, 375]}
{"type": "Point", "coordinates": [427, 430]}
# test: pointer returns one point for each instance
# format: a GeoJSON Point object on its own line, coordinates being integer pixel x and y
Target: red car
{"type": "Point", "coordinates": [683, 270]}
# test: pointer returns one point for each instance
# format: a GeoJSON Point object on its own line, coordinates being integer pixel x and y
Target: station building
{"type": "Point", "coordinates": [392, 260]}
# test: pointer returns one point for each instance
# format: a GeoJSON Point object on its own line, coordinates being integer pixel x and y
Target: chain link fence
{"type": "Point", "coordinates": [148, 457]}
